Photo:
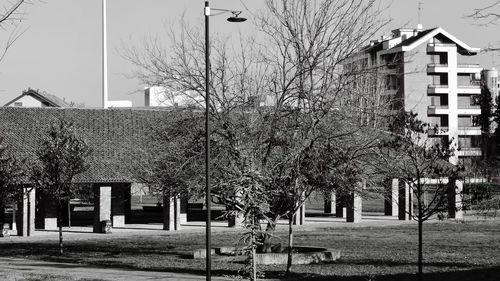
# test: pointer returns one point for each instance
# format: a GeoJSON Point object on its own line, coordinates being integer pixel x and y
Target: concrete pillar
{"type": "Point", "coordinates": [235, 220]}
{"type": "Point", "coordinates": [330, 202]}
{"type": "Point", "coordinates": [119, 204]}
{"type": "Point", "coordinates": [102, 206]}
{"type": "Point", "coordinates": [46, 218]}
{"type": "Point", "coordinates": [354, 204]}
{"type": "Point", "coordinates": [25, 216]}
{"type": "Point", "coordinates": [127, 193]}
{"type": "Point", "coordinates": [184, 208]}
{"type": "Point", "coordinates": [300, 215]}
{"type": "Point", "coordinates": [391, 198]}
{"type": "Point", "coordinates": [405, 201]}
{"type": "Point", "coordinates": [340, 204]}
{"type": "Point", "coordinates": [455, 188]}
{"type": "Point", "coordinates": [13, 226]}
{"type": "Point", "coordinates": [46, 215]}
{"type": "Point", "coordinates": [171, 212]}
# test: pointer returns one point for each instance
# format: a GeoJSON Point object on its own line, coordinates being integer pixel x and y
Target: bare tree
{"type": "Point", "coordinates": [277, 100]}
{"type": "Point", "coordinates": [422, 164]}
{"type": "Point", "coordinates": [11, 15]}
{"type": "Point", "coordinates": [11, 179]}
{"type": "Point", "coordinates": [62, 155]}
{"type": "Point", "coordinates": [486, 15]}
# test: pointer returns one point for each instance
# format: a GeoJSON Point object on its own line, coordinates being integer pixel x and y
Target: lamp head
{"type": "Point", "coordinates": [235, 17]}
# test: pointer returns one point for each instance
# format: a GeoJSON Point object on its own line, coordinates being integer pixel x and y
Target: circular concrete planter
{"type": "Point", "coordinates": [300, 255]}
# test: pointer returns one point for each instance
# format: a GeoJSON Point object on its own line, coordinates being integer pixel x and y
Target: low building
{"type": "Point", "coordinates": [119, 139]}
{"type": "Point", "coordinates": [36, 98]}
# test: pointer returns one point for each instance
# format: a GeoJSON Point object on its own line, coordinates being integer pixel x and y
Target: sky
{"type": "Point", "coordinates": [60, 51]}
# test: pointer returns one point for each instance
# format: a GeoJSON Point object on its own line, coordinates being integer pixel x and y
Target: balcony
{"type": "Point", "coordinates": [438, 110]}
{"type": "Point", "coordinates": [439, 47]}
{"type": "Point", "coordinates": [468, 68]}
{"type": "Point", "coordinates": [469, 89]}
{"type": "Point", "coordinates": [469, 110]}
{"type": "Point", "coordinates": [469, 151]}
{"type": "Point", "coordinates": [437, 67]}
{"type": "Point", "coordinates": [438, 131]}
{"type": "Point", "coordinates": [437, 89]}
{"type": "Point", "coordinates": [469, 131]}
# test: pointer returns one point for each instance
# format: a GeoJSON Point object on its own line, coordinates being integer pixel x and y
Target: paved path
{"type": "Point", "coordinates": [18, 269]}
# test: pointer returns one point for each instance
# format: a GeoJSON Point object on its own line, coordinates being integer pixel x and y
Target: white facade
{"type": "Point", "coordinates": [27, 101]}
{"type": "Point", "coordinates": [119, 103]}
{"type": "Point", "coordinates": [160, 96]}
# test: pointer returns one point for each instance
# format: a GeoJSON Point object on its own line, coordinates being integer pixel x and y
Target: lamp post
{"type": "Point", "coordinates": [208, 201]}
{"type": "Point", "coordinates": [104, 57]}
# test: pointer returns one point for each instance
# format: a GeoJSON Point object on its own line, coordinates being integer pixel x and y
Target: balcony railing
{"type": "Point", "coordinates": [468, 106]}
{"type": "Point", "coordinates": [469, 130]}
{"type": "Point", "coordinates": [468, 65]}
{"type": "Point", "coordinates": [437, 89]}
{"type": "Point", "coordinates": [437, 65]}
{"type": "Point", "coordinates": [438, 107]}
{"type": "Point", "coordinates": [469, 151]}
{"type": "Point", "coordinates": [434, 131]}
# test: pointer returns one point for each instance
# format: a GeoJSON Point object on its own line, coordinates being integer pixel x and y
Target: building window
{"type": "Point", "coordinates": [18, 104]}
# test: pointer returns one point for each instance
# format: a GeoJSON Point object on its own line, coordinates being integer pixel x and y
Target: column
{"type": "Point", "coordinates": [405, 202]}
{"type": "Point", "coordinates": [171, 212]}
{"type": "Point", "coordinates": [128, 203]}
{"type": "Point", "coordinates": [13, 226]}
{"type": "Point", "coordinates": [25, 216]}
{"type": "Point", "coordinates": [330, 202]}
{"type": "Point", "coordinates": [300, 215]}
{"type": "Point", "coordinates": [455, 188]}
{"type": "Point", "coordinates": [6, 232]}
{"type": "Point", "coordinates": [46, 217]}
{"type": "Point", "coordinates": [235, 220]}
{"type": "Point", "coordinates": [354, 204]}
{"type": "Point", "coordinates": [65, 213]}
{"type": "Point", "coordinates": [120, 206]}
{"type": "Point", "coordinates": [340, 204]}
{"type": "Point", "coordinates": [184, 208]}
{"type": "Point", "coordinates": [102, 208]}
{"type": "Point", "coordinates": [391, 198]}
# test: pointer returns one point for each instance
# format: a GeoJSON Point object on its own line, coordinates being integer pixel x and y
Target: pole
{"type": "Point", "coordinates": [104, 58]}
{"type": "Point", "coordinates": [207, 143]}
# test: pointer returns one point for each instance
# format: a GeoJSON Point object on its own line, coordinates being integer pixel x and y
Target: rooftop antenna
{"type": "Point", "coordinates": [420, 4]}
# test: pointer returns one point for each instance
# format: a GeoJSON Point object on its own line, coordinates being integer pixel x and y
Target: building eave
{"type": "Point", "coordinates": [435, 32]}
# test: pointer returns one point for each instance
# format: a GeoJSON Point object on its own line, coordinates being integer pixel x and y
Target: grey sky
{"type": "Point", "coordinates": [60, 53]}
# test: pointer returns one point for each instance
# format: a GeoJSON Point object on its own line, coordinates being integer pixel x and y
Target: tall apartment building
{"type": "Point", "coordinates": [426, 72]}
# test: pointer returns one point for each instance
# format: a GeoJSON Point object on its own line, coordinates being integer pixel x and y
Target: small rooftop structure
{"type": "Point", "coordinates": [36, 98]}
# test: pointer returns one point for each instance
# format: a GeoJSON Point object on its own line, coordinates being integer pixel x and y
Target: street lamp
{"type": "Point", "coordinates": [234, 18]}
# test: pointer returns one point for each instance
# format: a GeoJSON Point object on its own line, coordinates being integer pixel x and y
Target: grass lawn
{"type": "Point", "coordinates": [41, 277]}
{"type": "Point", "coordinates": [452, 251]}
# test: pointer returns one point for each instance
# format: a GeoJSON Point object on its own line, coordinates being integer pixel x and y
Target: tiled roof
{"type": "Point", "coordinates": [54, 99]}
{"type": "Point", "coordinates": [116, 136]}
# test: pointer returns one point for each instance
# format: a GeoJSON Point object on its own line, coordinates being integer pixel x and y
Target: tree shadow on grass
{"type": "Point", "coordinates": [381, 262]}
{"type": "Point", "coordinates": [482, 274]}
{"type": "Point", "coordinates": [103, 255]}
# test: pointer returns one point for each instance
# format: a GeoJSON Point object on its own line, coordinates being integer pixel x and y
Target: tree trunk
{"type": "Point", "coordinates": [254, 264]}
{"type": "Point", "coordinates": [290, 245]}
{"type": "Point", "coordinates": [2, 213]}
{"type": "Point", "coordinates": [420, 249]}
{"type": "Point", "coordinates": [59, 219]}
{"type": "Point", "coordinates": [420, 218]}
